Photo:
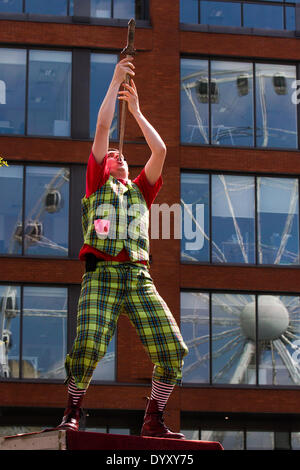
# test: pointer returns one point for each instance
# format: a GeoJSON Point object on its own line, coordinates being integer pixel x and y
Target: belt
{"type": "Point", "coordinates": [91, 262]}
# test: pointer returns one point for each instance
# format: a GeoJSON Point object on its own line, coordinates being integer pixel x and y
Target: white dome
{"type": "Point", "coordinates": [273, 318]}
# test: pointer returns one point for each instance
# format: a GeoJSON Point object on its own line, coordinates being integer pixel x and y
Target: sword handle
{"type": "Point", "coordinates": [129, 49]}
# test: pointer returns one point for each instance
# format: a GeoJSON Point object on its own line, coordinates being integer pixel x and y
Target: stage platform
{"type": "Point", "coordinates": [81, 440]}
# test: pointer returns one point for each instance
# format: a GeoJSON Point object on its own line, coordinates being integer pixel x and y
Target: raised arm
{"type": "Point", "coordinates": [154, 165]}
{"type": "Point", "coordinates": [107, 108]}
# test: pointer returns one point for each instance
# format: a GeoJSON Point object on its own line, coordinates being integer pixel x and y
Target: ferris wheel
{"type": "Point", "coordinates": [245, 332]}
{"type": "Point", "coordinates": [50, 201]}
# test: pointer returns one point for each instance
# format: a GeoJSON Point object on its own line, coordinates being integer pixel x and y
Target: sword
{"type": "Point", "coordinates": [129, 50]}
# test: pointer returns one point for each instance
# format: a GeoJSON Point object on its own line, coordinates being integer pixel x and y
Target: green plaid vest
{"type": "Point", "coordinates": [126, 211]}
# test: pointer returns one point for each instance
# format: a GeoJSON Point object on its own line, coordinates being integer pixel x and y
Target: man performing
{"type": "Point", "coordinates": [116, 253]}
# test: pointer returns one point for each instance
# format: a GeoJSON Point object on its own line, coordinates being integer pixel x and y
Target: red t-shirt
{"type": "Point", "coordinates": [96, 176]}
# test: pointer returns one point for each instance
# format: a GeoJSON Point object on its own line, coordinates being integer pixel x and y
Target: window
{"type": "Point", "coordinates": [49, 93]}
{"type": "Point", "coordinates": [195, 202]}
{"type": "Point", "coordinates": [43, 210]}
{"type": "Point", "coordinates": [239, 219]}
{"type": "Point", "coordinates": [241, 435]}
{"type": "Point", "coordinates": [230, 440]}
{"type": "Point", "coordinates": [194, 322]}
{"type": "Point", "coordinates": [274, 105]}
{"type": "Point", "coordinates": [260, 440]}
{"type": "Point", "coordinates": [102, 69]}
{"type": "Point", "coordinates": [278, 221]}
{"type": "Point", "coordinates": [55, 7]}
{"type": "Point", "coordinates": [120, 9]}
{"type": "Point", "coordinates": [241, 338]}
{"type": "Point", "coordinates": [279, 15]}
{"type": "Point", "coordinates": [233, 219]}
{"type": "Point", "coordinates": [12, 91]}
{"type": "Point", "coordinates": [233, 103]}
{"type": "Point", "coordinates": [220, 13]}
{"type": "Point", "coordinates": [47, 109]}
{"type": "Point", "coordinates": [36, 97]}
{"type": "Point", "coordinates": [105, 369]}
{"type": "Point", "coordinates": [114, 8]}
{"type": "Point", "coordinates": [33, 334]}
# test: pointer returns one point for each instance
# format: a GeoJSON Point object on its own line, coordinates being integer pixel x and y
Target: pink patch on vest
{"type": "Point", "coordinates": [102, 226]}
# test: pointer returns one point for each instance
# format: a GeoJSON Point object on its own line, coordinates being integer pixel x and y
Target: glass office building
{"type": "Point", "coordinates": [219, 81]}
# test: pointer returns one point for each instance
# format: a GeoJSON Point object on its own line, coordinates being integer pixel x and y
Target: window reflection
{"type": "Point", "coordinates": [195, 330]}
{"type": "Point", "coordinates": [290, 18]}
{"type": "Point", "coordinates": [11, 6]}
{"type": "Point", "coordinates": [233, 351]}
{"type": "Point", "coordinates": [44, 332]}
{"type": "Point", "coordinates": [55, 7]}
{"type": "Point", "coordinates": [49, 94]}
{"type": "Point", "coordinates": [249, 228]}
{"type": "Point", "coordinates": [195, 223]}
{"type": "Point", "coordinates": [101, 8]}
{"type": "Point", "coordinates": [229, 90]}
{"type": "Point", "coordinates": [235, 14]}
{"type": "Point", "coordinates": [278, 318]}
{"type": "Point", "coordinates": [102, 68]}
{"type": "Point", "coordinates": [124, 9]}
{"type": "Point", "coordinates": [12, 91]}
{"type": "Point", "coordinates": [11, 196]}
{"type": "Point", "coordinates": [9, 331]}
{"type": "Point", "coordinates": [278, 220]}
{"type": "Point", "coordinates": [230, 440]}
{"type": "Point", "coordinates": [232, 103]}
{"type": "Point", "coordinates": [235, 319]}
{"type": "Point", "coordinates": [194, 101]}
{"type": "Point", "coordinates": [263, 16]}
{"type": "Point", "coordinates": [233, 219]}
{"type": "Point", "coordinates": [113, 9]}
{"type": "Point", "coordinates": [295, 440]}
{"type": "Point", "coordinates": [105, 369]}
{"type": "Point", "coordinates": [260, 440]}
{"type": "Point", "coordinates": [220, 13]}
{"type": "Point", "coordinates": [40, 315]}
{"type": "Point", "coordinates": [46, 210]}
{"type": "Point", "coordinates": [191, 434]}
{"type": "Point", "coordinates": [276, 113]}
{"type": "Point", "coordinates": [189, 11]}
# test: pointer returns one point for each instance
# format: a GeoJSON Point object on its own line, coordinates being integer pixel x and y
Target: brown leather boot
{"type": "Point", "coordinates": [154, 425]}
{"type": "Point", "coordinates": [72, 415]}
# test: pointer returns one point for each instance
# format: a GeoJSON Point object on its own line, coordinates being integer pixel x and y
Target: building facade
{"type": "Point", "coordinates": [218, 80]}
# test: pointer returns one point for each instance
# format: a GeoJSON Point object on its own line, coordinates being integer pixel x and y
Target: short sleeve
{"type": "Point", "coordinates": [148, 190]}
{"type": "Point", "coordinates": [96, 174]}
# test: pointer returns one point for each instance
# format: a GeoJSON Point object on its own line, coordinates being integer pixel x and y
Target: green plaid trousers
{"type": "Point", "coordinates": [110, 290]}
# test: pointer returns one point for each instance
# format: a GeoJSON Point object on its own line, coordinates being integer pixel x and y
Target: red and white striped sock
{"type": "Point", "coordinates": [75, 392]}
{"type": "Point", "coordinates": [160, 392]}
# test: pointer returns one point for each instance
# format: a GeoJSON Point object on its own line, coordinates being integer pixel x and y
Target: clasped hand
{"type": "Point", "coordinates": [129, 93]}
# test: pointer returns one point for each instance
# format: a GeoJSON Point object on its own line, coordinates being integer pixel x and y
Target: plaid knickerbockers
{"type": "Point", "coordinates": [110, 290]}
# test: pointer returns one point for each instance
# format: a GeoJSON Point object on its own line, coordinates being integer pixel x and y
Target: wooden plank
{"type": "Point", "coordinates": [81, 440]}
{"type": "Point", "coordinates": [52, 440]}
